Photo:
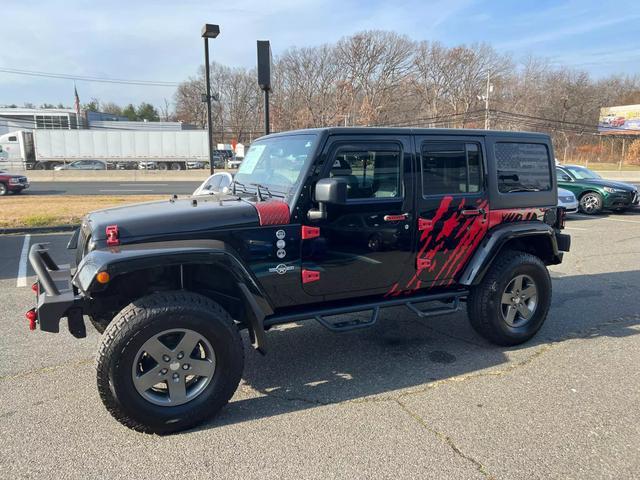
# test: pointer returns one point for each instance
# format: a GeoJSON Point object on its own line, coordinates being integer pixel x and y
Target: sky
{"type": "Point", "coordinates": [159, 40]}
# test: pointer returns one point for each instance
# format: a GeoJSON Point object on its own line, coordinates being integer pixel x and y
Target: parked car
{"type": "Point", "coordinates": [147, 165]}
{"type": "Point", "coordinates": [196, 165]}
{"type": "Point", "coordinates": [567, 200]}
{"type": "Point", "coordinates": [234, 162]}
{"type": "Point", "coordinates": [617, 122]}
{"type": "Point", "coordinates": [12, 183]}
{"type": "Point", "coordinates": [172, 283]}
{"type": "Point", "coordinates": [595, 193]}
{"type": "Point", "coordinates": [83, 165]}
{"type": "Point", "coordinates": [216, 183]}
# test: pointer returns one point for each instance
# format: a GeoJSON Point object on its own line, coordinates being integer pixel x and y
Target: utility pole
{"type": "Point", "coordinates": [209, 31]}
{"type": "Point", "coordinates": [486, 101]}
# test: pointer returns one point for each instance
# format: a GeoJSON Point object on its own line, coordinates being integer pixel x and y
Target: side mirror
{"type": "Point", "coordinates": [565, 178]}
{"type": "Point", "coordinates": [331, 190]}
{"type": "Point", "coordinates": [328, 191]}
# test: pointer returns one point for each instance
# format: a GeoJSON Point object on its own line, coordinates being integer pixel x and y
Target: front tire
{"type": "Point", "coordinates": [169, 361]}
{"type": "Point", "coordinates": [3, 189]}
{"type": "Point", "coordinates": [511, 302]}
{"type": "Point", "coordinates": [591, 203]}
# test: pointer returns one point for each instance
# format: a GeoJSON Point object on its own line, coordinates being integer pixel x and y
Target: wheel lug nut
{"type": "Point", "coordinates": [186, 366]}
{"type": "Point", "coordinates": [166, 358]}
{"type": "Point", "coordinates": [163, 371]}
{"type": "Point", "coordinates": [180, 355]}
{"type": "Point", "coordinates": [176, 376]}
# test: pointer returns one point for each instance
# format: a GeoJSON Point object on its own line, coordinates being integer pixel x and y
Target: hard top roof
{"type": "Point", "coordinates": [411, 131]}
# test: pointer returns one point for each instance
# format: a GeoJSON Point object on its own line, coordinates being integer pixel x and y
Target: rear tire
{"type": "Point", "coordinates": [162, 166]}
{"type": "Point", "coordinates": [181, 316]}
{"type": "Point", "coordinates": [3, 189]}
{"type": "Point", "coordinates": [495, 305]}
{"type": "Point", "coordinates": [176, 166]}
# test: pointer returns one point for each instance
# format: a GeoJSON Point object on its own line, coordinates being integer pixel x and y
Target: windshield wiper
{"type": "Point", "coordinates": [260, 187]}
{"type": "Point", "coordinates": [244, 187]}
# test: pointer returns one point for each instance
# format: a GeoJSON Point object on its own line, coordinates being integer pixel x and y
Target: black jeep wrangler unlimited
{"type": "Point", "coordinates": [317, 223]}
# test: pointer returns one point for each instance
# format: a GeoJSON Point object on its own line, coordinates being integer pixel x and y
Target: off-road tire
{"type": "Point", "coordinates": [593, 208]}
{"type": "Point", "coordinates": [484, 302]}
{"type": "Point", "coordinates": [138, 322]}
{"type": "Point", "coordinates": [3, 189]}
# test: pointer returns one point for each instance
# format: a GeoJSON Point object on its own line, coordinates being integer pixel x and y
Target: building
{"type": "Point", "coordinates": [12, 119]}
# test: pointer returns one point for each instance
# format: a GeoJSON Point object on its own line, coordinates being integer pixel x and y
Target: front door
{"type": "Point", "coordinates": [451, 208]}
{"type": "Point", "coordinates": [364, 245]}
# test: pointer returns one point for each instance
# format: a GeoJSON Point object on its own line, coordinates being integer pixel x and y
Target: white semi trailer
{"type": "Point", "coordinates": [44, 149]}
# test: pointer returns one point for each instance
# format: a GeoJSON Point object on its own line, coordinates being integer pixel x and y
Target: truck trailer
{"type": "Point", "coordinates": [44, 149]}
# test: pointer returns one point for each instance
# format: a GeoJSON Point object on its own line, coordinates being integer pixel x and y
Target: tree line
{"type": "Point", "coordinates": [382, 78]}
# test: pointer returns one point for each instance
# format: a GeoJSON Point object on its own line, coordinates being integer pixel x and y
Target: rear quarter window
{"type": "Point", "coordinates": [523, 167]}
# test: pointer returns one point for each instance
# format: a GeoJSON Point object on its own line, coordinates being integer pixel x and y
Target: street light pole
{"type": "Point", "coordinates": [209, 31]}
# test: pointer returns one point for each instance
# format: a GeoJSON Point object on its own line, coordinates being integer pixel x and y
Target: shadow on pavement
{"type": "Point", "coordinates": [308, 366]}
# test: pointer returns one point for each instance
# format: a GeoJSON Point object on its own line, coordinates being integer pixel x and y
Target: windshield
{"type": "Point", "coordinates": [275, 165]}
{"type": "Point", "coordinates": [582, 173]}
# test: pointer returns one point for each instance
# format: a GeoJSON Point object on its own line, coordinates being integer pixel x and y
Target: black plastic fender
{"type": "Point", "coordinates": [119, 261]}
{"type": "Point", "coordinates": [497, 238]}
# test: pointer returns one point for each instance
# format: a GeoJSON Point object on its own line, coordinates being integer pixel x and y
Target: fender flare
{"type": "Point", "coordinates": [128, 259]}
{"type": "Point", "coordinates": [495, 241]}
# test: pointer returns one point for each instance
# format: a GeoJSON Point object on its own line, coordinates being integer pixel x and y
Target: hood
{"type": "Point", "coordinates": [603, 182]}
{"type": "Point", "coordinates": [173, 217]}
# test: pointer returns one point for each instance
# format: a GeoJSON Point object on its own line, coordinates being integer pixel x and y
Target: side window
{"type": "Point", "coordinates": [369, 173]}
{"type": "Point", "coordinates": [561, 175]}
{"type": "Point", "coordinates": [522, 167]}
{"type": "Point", "coordinates": [451, 168]}
{"type": "Point", "coordinates": [13, 139]}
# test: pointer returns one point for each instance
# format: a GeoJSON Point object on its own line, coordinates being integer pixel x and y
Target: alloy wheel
{"type": "Point", "coordinates": [590, 203]}
{"type": "Point", "coordinates": [173, 367]}
{"type": "Point", "coordinates": [519, 301]}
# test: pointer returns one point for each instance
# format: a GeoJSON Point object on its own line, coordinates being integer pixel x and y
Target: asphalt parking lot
{"type": "Point", "coordinates": [114, 188]}
{"type": "Point", "coordinates": [408, 398]}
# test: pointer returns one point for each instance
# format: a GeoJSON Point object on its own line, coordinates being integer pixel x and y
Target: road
{"type": "Point", "coordinates": [407, 398]}
{"type": "Point", "coordinates": [112, 188]}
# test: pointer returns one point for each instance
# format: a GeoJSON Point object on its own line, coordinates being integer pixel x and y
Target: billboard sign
{"type": "Point", "coordinates": [621, 119]}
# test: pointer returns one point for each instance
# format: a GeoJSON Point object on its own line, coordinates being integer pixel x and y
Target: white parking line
{"type": "Point", "coordinates": [127, 190]}
{"type": "Point", "coordinates": [575, 228]}
{"type": "Point", "coordinates": [144, 184]}
{"type": "Point", "coordinates": [22, 266]}
{"type": "Point", "coordinates": [611, 219]}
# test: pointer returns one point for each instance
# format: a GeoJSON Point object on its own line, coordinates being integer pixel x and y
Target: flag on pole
{"type": "Point", "coordinates": [76, 104]}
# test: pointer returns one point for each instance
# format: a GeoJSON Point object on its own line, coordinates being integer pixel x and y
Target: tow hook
{"type": "Point", "coordinates": [32, 316]}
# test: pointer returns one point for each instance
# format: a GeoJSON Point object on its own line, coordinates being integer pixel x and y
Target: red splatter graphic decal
{"type": "Point", "coordinates": [450, 238]}
{"type": "Point", "coordinates": [274, 212]}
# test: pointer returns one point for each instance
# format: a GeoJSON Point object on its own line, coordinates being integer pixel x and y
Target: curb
{"type": "Point", "coordinates": [32, 230]}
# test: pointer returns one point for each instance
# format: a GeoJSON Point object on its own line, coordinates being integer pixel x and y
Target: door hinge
{"type": "Point", "coordinates": [309, 276]}
{"type": "Point", "coordinates": [310, 232]}
{"type": "Point", "coordinates": [424, 223]}
{"type": "Point", "coordinates": [422, 263]}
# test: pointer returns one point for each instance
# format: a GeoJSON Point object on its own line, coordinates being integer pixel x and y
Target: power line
{"type": "Point", "coordinates": [87, 78]}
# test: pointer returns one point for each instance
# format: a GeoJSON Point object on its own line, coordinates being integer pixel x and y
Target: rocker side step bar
{"type": "Point", "coordinates": [374, 307]}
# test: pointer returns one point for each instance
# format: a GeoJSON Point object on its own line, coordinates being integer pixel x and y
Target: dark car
{"type": "Point", "coordinates": [595, 193]}
{"type": "Point", "coordinates": [316, 224]}
{"type": "Point", "coordinates": [14, 183]}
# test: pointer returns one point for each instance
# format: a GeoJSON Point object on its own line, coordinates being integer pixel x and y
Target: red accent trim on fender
{"type": "Point", "coordinates": [424, 223]}
{"type": "Point", "coordinates": [310, 232]}
{"type": "Point", "coordinates": [422, 263]}
{"type": "Point", "coordinates": [309, 276]}
{"type": "Point", "coordinates": [273, 212]}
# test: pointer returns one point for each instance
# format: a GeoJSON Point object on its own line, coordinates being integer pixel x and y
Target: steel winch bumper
{"type": "Point", "coordinates": [57, 297]}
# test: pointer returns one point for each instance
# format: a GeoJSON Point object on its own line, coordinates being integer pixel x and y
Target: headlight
{"type": "Point", "coordinates": [614, 190]}
{"type": "Point", "coordinates": [14, 181]}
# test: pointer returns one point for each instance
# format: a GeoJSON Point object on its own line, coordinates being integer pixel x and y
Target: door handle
{"type": "Point", "coordinates": [474, 212]}
{"type": "Point", "coordinates": [396, 218]}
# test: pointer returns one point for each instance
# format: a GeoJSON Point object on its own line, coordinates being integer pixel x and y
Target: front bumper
{"type": "Point", "coordinates": [57, 297]}
{"type": "Point", "coordinates": [17, 187]}
{"type": "Point", "coordinates": [622, 200]}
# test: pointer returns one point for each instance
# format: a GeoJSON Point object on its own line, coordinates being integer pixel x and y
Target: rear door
{"type": "Point", "coordinates": [364, 245]}
{"type": "Point", "coordinates": [451, 206]}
